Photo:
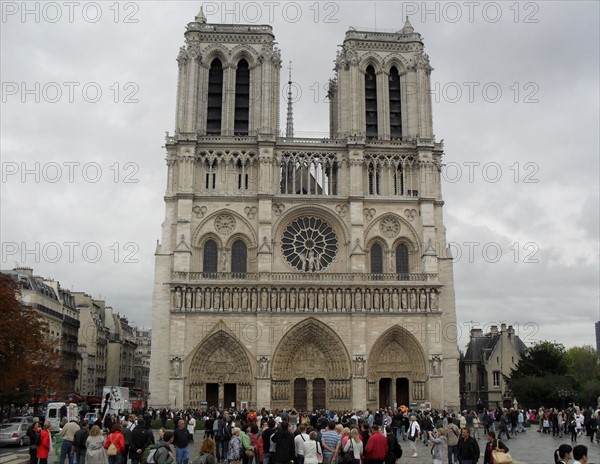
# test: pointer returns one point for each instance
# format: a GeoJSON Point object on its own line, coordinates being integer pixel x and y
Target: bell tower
{"type": "Point", "coordinates": [228, 80]}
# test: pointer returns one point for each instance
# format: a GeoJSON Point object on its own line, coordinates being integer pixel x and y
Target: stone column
{"type": "Point", "coordinates": [393, 392]}
{"type": "Point", "coordinates": [221, 397]}
{"type": "Point", "coordinates": [309, 394]}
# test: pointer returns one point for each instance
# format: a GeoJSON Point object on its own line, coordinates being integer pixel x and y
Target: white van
{"type": "Point", "coordinates": [53, 414]}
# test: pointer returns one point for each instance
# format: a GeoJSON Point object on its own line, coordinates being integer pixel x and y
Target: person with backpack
{"type": "Point", "coordinates": [452, 435]}
{"type": "Point", "coordinates": [163, 454]}
{"type": "Point", "coordinates": [266, 439]}
{"type": "Point", "coordinates": [284, 441]}
{"type": "Point", "coordinates": [139, 441]}
{"type": "Point", "coordinates": [208, 452]}
{"type": "Point", "coordinates": [79, 442]}
{"type": "Point", "coordinates": [114, 444]}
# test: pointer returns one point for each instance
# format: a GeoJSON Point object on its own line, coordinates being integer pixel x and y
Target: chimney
{"type": "Point", "coordinates": [511, 331]}
{"type": "Point", "coordinates": [502, 327]}
{"type": "Point", "coordinates": [494, 330]}
{"type": "Point", "coordinates": [24, 270]}
{"type": "Point", "coordinates": [476, 333]}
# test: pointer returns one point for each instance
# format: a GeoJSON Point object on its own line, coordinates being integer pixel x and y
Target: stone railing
{"type": "Point", "coordinates": [324, 278]}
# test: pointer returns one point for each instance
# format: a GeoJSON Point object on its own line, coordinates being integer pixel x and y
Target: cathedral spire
{"type": "Point", "coordinates": [408, 29]}
{"type": "Point", "coordinates": [200, 18]}
{"type": "Point", "coordinates": [289, 127]}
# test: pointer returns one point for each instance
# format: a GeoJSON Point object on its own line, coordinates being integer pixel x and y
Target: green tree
{"type": "Point", "coordinates": [584, 368]}
{"type": "Point", "coordinates": [540, 374]}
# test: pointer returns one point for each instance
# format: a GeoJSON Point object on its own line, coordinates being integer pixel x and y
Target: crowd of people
{"type": "Point", "coordinates": [307, 437]}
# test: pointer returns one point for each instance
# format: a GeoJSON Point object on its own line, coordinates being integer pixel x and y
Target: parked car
{"type": "Point", "coordinates": [21, 420]}
{"type": "Point", "coordinates": [14, 434]}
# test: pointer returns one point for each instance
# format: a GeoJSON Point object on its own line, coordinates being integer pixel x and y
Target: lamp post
{"type": "Point", "coordinates": [562, 394]}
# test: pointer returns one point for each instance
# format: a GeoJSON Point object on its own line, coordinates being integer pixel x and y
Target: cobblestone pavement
{"type": "Point", "coordinates": [528, 448]}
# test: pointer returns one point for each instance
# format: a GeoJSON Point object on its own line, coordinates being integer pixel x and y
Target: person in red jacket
{"type": "Point", "coordinates": [377, 447]}
{"type": "Point", "coordinates": [45, 445]}
{"type": "Point", "coordinates": [115, 437]}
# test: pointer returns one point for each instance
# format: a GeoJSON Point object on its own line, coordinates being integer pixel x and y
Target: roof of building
{"type": "Point", "coordinates": [485, 344]}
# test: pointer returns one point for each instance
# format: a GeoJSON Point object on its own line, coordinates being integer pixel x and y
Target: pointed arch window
{"type": "Point", "coordinates": [210, 257]}
{"type": "Point", "coordinates": [242, 98]}
{"type": "Point", "coordinates": [402, 259]}
{"type": "Point", "coordinates": [215, 98]}
{"type": "Point", "coordinates": [395, 104]}
{"type": "Point", "coordinates": [376, 259]}
{"type": "Point", "coordinates": [371, 102]}
{"type": "Point", "coordinates": [239, 259]}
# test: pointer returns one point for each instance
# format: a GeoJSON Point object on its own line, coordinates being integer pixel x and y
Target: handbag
{"type": "Point", "coordinates": [112, 449]}
{"type": "Point", "coordinates": [500, 457]}
{"type": "Point", "coordinates": [319, 454]}
{"type": "Point", "coordinates": [250, 453]}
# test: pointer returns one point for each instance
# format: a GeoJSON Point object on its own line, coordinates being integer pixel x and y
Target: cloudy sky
{"type": "Point", "coordinates": [88, 92]}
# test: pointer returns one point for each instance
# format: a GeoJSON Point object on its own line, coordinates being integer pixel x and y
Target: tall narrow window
{"type": "Point", "coordinates": [376, 259]}
{"type": "Point", "coordinates": [242, 98]}
{"type": "Point", "coordinates": [402, 259]}
{"type": "Point", "coordinates": [242, 175]}
{"type": "Point", "coordinates": [239, 258]}
{"type": "Point", "coordinates": [371, 102]}
{"type": "Point", "coordinates": [399, 180]}
{"type": "Point", "coordinates": [215, 98]}
{"type": "Point", "coordinates": [210, 257]}
{"type": "Point", "coordinates": [395, 105]}
{"type": "Point", "coordinates": [211, 175]}
{"type": "Point", "coordinates": [374, 178]}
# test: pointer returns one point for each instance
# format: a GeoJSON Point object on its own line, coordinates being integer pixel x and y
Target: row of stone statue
{"type": "Point", "coordinates": [286, 299]}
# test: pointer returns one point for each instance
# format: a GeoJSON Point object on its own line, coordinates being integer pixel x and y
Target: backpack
{"type": "Point", "coordinates": [200, 459]}
{"type": "Point", "coordinates": [227, 432]}
{"type": "Point", "coordinates": [149, 453]}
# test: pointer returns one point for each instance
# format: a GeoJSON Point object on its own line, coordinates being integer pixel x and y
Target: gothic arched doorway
{"type": "Point", "coordinates": [220, 372]}
{"type": "Point", "coordinates": [396, 363]}
{"type": "Point", "coordinates": [311, 354]}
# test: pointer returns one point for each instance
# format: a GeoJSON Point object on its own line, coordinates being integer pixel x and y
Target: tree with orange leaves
{"type": "Point", "coordinates": [28, 359]}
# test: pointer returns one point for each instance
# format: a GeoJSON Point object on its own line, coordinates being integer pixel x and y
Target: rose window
{"type": "Point", "coordinates": [309, 244]}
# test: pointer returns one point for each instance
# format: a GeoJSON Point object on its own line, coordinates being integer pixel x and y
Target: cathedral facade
{"type": "Point", "coordinates": [299, 272]}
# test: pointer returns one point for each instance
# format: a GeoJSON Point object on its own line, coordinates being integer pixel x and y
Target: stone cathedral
{"type": "Point", "coordinates": [303, 272]}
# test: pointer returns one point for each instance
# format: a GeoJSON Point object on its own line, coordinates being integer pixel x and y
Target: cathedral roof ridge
{"type": "Point", "coordinates": [407, 33]}
{"type": "Point", "coordinates": [198, 26]}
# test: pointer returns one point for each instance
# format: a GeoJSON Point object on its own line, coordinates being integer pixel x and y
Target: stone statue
{"type": "Point", "coordinates": [226, 298]}
{"type": "Point", "coordinates": [339, 303]}
{"type": "Point", "coordinates": [273, 299]}
{"type": "Point", "coordinates": [235, 300]}
{"type": "Point", "coordinates": [395, 300]}
{"type": "Point", "coordinates": [329, 300]}
{"type": "Point", "coordinates": [302, 300]}
{"type": "Point", "coordinates": [359, 366]}
{"type": "Point", "coordinates": [292, 302]}
{"type": "Point", "coordinates": [413, 300]}
{"type": "Point", "coordinates": [264, 366]}
{"type": "Point", "coordinates": [358, 300]}
{"type": "Point", "coordinates": [320, 299]}
{"type": "Point", "coordinates": [253, 299]}
{"type": "Point", "coordinates": [282, 299]}
{"type": "Point", "coordinates": [176, 368]}
{"type": "Point", "coordinates": [423, 300]}
{"type": "Point", "coordinates": [244, 300]}
{"type": "Point", "coordinates": [368, 300]}
{"type": "Point", "coordinates": [347, 300]}
{"type": "Point", "coordinates": [217, 299]}
{"type": "Point", "coordinates": [199, 298]}
{"type": "Point", "coordinates": [178, 298]}
{"type": "Point", "coordinates": [207, 299]}
{"type": "Point", "coordinates": [404, 300]}
{"type": "Point", "coordinates": [311, 299]}
{"type": "Point", "coordinates": [264, 299]}
{"type": "Point", "coordinates": [436, 365]}
{"type": "Point", "coordinates": [433, 300]}
{"type": "Point", "coordinates": [188, 298]}
{"type": "Point", "coordinates": [385, 300]}
{"type": "Point", "coordinates": [376, 300]}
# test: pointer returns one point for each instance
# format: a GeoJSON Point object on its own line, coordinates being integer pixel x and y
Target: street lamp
{"type": "Point", "coordinates": [562, 394]}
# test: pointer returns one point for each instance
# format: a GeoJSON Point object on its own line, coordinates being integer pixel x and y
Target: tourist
{"type": "Point", "coordinates": [580, 454]}
{"type": "Point", "coordinates": [468, 449]}
{"type": "Point", "coordinates": [563, 454]}
{"type": "Point", "coordinates": [492, 445]}
{"type": "Point", "coordinates": [208, 452]}
{"type": "Point", "coordinates": [377, 447]}
{"type": "Point", "coordinates": [68, 435]}
{"type": "Point", "coordinates": [354, 445]}
{"type": "Point", "coordinates": [45, 447]}
{"type": "Point", "coordinates": [234, 449]}
{"type": "Point", "coordinates": [164, 454]}
{"type": "Point", "coordinates": [299, 440]}
{"type": "Point", "coordinates": [394, 449]}
{"type": "Point", "coordinates": [330, 441]}
{"type": "Point", "coordinates": [79, 441]}
{"type": "Point", "coordinates": [116, 440]}
{"type": "Point", "coordinates": [284, 444]}
{"type": "Point", "coordinates": [313, 452]}
{"type": "Point", "coordinates": [94, 447]}
{"type": "Point", "coordinates": [191, 427]}
{"type": "Point", "coordinates": [181, 440]}
{"type": "Point", "coordinates": [33, 432]}
{"type": "Point", "coordinates": [413, 433]}
{"type": "Point", "coordinates": [439, 441]}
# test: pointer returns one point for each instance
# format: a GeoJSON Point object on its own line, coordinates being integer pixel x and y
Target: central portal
{"type": "Point", "coordinates": [300, 394]}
